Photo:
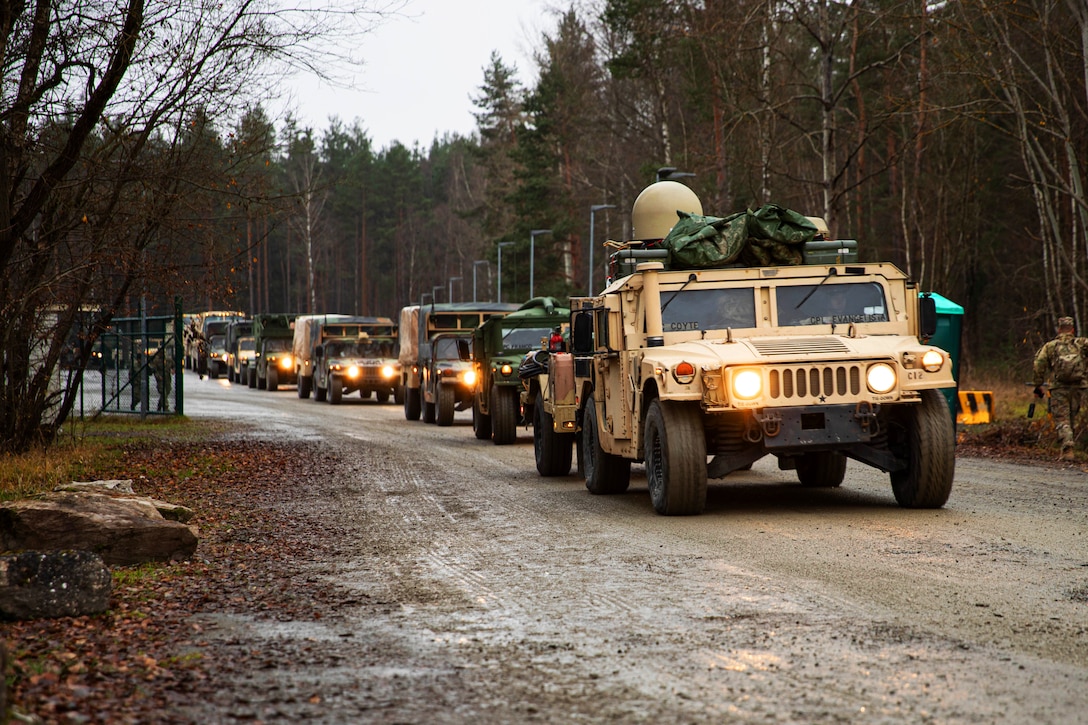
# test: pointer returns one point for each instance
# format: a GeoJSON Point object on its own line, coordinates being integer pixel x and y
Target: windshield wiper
{"type": "Point", "coordinates": [691, 278]}
{"type": "Point", "coordinates": [830, 273]}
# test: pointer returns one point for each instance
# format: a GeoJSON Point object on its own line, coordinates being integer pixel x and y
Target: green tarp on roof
{"type": "Point", "coordinates": [770, 235]}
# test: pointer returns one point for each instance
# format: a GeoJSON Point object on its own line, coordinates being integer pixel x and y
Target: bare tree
{"type": "Point", "coordinates": [1037, 85]}
{"type": "Point", "coordinates": [101, 107]}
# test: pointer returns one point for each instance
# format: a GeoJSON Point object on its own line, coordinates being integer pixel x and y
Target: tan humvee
{"type": "Point", "coordinates": [813, 363]}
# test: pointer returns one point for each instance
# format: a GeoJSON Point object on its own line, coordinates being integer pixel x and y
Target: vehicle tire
{"type": "Point", "coordinates": [364, 394]}
{"type": "Point", "coordinates": [398, 395]}
{"type": "Point", "coordinates": [272, 382]}
{"type": "Point", "coordinates": [251, 378]}
{"type": "Point", "coordinates": [447, 401]}
{"type": "Point", "coordinates": [213, 371]}
{"type": "Point", "coordinates": [262, 383]}
{"type": "Point", "coordinates": [675, 458]}
{"type": "Point", "coordinates": [553, 451]}
{"type": "Point", "coordinates": [381, 395]}
{"type": "Point", "coordinates": [320, 394]}
{"type": "Point", "coordinates": [336, 390]}
{"type": "Point", "coordinates": [230, 375]}
{"type": "Point", "coordinates": [305, 385]}
{"type": "Point", "coordinates": [824, 469]}
{"type": "Point", "coordinates": [481, 422]}
{"type": "Point", "coordinates": [411, 403]}
{"type": "Point", "coordinates": [605, 473]}
{"type": "Point", "coordinates": [504, 415]}
{"type": "Point", "coordinates": [428, 412]}
{"type": "Point", "coordinates": [923, 436]}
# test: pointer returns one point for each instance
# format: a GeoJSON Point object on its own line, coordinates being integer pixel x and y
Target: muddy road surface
{"type": "Point", "coordinates": [467, 588]}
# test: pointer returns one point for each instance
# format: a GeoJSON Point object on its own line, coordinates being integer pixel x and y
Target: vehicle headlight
{"type": "Point", "coordinates": [506, 369]}
{"type": "Point", "coordinates": [388, 372]}
{"type": "Point", "coordinates": [469, 377]}
{"type": "Point", "coordinates": [747, 384]}
{"type": "Point", "coordinates": [880, 378]}
{"type": "Point", "coordinates": [353, 371]}
{"type": "Point", "coordinates": [932, 361]}
{"type": "Point", "coordinates": [286, 362]}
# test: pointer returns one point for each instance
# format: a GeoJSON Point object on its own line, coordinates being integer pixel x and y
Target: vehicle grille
{"type": "Point", "coordinates": [815, 381]}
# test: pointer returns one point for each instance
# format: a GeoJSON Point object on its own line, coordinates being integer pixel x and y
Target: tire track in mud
{"type": "Point", "coordinates": [564, 639]}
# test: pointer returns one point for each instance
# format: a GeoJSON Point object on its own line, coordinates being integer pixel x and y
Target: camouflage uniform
{"type": "Point", "coordinates": [162, 365]}
{"type": "Point", "coordinates": [1063, 361]}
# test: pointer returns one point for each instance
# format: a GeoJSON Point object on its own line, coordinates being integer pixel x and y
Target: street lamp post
{"type": "Point", "coordinates": [501, 245]}
{"type": "Point", "coordinates": [532, 254]}
{"type": "Point", "coordinates": [452, 280]}
{"type": "Point", "coordinates": [593, 210]}
{"type": "Point", "coordinates": [476, 264]}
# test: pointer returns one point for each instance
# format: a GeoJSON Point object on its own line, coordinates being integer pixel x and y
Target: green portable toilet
{"type": "Point", "coordinates": [949, 338]}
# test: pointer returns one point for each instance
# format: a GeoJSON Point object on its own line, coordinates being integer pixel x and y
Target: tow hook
{"type": "Point", "coordinates": [771, 423]}
{"type": "Point", "coordinates": [865, 412]}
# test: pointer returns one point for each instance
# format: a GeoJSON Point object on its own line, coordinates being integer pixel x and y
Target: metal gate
{"type": "Point", "coordinates": [136, 367]}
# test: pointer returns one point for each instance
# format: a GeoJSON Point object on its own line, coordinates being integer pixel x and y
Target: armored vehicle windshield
{"type": "Point", "coordinates": [520, 338]}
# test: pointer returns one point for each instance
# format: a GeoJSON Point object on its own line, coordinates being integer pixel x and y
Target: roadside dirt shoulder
{"type": "Point", "coordinates": [147, 659]}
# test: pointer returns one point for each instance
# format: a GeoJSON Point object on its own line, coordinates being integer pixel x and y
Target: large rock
{"type": "Point", "coordinates": [116, 485]}
{"type": "Point", "coordinates": [35, 585]}
{"type": "Point", "coordinates": [122, 488]}
{"type": "Point", "coordinates": [122, 531]}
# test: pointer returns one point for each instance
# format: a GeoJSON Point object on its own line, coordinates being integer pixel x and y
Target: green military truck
{"type": "Point", "coordinates": [419, 324]}
{"type": "Point", "coordinates": [498, 347]}
{"type": "Point", "coordinates": [721, 341]}
{"type": "Point", "coordinates": [357, 354]}
{"type": "Point", "coordinates": [272, 364]}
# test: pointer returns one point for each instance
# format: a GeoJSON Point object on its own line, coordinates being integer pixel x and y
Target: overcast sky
{"type": "Point", "coordinates": [423, 67]}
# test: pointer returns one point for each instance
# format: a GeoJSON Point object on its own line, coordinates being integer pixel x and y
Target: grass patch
{"type": "Point", "coordinates": [138, 574]}
{"type": "Point", "coordinates": [92, 450]}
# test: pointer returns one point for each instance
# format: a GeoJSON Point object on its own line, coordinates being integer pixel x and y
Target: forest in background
{"type": "Point", "coordinates": [948, 138]}
{"type": "Point", "coordinates": [137, 163]}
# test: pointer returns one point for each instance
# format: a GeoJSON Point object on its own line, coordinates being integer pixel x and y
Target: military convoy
{"type": "Point", "coordinates": [716, 342]}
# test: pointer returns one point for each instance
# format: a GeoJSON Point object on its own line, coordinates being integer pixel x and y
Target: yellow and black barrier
{"type": "Point", "coordinates": [974, 407]}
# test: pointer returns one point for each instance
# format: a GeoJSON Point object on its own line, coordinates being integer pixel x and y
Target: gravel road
{"type": "Point", "coordinates": [467, 588]}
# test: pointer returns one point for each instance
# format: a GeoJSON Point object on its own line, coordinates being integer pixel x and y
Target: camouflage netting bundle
{"type": "Point", "coordinates": [770, 235]}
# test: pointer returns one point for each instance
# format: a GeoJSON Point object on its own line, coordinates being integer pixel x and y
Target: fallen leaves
{"type": "Point", "coordinates": [132, 663]}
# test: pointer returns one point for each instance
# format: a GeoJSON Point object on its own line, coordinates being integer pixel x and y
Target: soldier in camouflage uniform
{"type": "Point", "coordinates": [1063, 362]}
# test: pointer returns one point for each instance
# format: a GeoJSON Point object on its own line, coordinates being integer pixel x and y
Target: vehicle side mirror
{"type": "Point", "coordinates": [927, 316]}
{"type": "Point", "coordinates": [462, 350]}
{"type": "Point", "coordinates": [582, 337]}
